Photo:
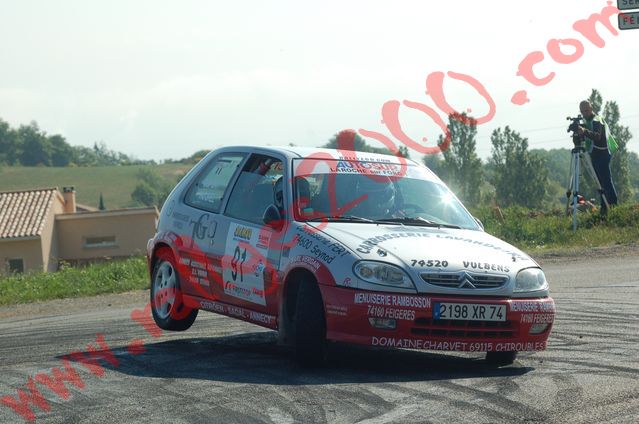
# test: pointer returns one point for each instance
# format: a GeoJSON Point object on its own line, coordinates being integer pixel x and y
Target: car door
{"type": "Point", "coordinates": [201, 208]}
{"type": "Point", "coordinates": [250, 253]}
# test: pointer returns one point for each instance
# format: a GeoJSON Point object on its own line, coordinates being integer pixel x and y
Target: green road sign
{"type": "Point", "coordinates": [627, 4]}
{"type": "Point", "coordinates": [629, 20]}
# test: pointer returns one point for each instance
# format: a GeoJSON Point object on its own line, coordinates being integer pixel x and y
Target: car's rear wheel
{"type": "Point", "coordinates": [167, 307]}
{"type": "Point", "coordinates": [310, 325]}
{"type": "Point", "coordinates": [500, 358]}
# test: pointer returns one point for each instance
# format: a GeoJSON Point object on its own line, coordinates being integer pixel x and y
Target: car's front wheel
{"type": "Point", "coordinates": [310, 325]}
{"type": "Point", "coordinates": [500, 358]}
{"type": "Point", "coordinates": [167, 307]}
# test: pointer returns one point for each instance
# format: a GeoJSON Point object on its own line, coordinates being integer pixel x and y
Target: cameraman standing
{"type": "Point", "coordinates": [597, 146]}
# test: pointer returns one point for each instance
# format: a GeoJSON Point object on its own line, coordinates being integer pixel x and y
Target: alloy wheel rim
{"type": "Point", "coordinates": [164, 289]}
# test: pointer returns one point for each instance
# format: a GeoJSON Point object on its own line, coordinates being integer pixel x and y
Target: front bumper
{"type": "Point", "coordinates": [348, 314]}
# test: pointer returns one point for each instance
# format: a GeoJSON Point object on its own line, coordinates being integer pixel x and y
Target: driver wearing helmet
{"type": "Point", "coordinates": [278, 193]}
{"type": "Point", "coordinates": [375, 197]}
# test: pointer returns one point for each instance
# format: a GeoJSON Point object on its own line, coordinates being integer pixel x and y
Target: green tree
{"type": "Point", "coordinates": [434, 163]}
{"type": "Point", "coordinates": [152, 189]}
{"type": "Point", "coordinates": [462, 168]}
{"type": "Point", "coordinates": [144, 194]}
{"type": "Point", "coordinates": [619, 165]}
{"type": "Point", "coordinates": [84, 156]}
{"type": "Point", "coordinates": [633, 161]}
{"type": "Point", "coordinates": [9, 146]}
{"type": "Point", "coordinates": [520, 177]}
{"type": "Point", "coordinates": [61, 151]}
{"type": "Point", "coordinates": [36, 149]}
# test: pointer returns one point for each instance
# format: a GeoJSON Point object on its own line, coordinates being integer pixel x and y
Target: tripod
{"type": "Point", "coordinates": [579, 157]}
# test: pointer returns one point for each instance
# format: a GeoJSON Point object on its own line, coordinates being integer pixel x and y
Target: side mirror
{"type": "Point", "coordinates": [481, 225]}
{"type": "Point", "coordinates": [273, 218]}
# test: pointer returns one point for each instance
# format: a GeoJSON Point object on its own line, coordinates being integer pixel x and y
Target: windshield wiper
{"type": "Point", "coordinates": [341, 218]}
{"type": "Point", "coordinates": [418, 220]}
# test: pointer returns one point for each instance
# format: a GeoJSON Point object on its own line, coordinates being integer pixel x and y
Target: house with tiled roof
{"type": "Point", "coordinates": [41, 228]}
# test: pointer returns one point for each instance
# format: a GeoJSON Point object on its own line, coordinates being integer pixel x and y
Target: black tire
{"type": "Point", "coordinates": [310, 326]}
{"type": "Point", "coordinates": [167, 307]}
{"type": "Point", "coordinates": [500, 359]}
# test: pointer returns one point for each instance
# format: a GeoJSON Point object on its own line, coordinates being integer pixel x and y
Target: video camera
{"type": "Point", "coordinates": [574, 125]}
{"type": "Point", "coordinates": [576, 122]}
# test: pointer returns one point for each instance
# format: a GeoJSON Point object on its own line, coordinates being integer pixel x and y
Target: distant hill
{"type": "Point", "coordinates": [116, 183]}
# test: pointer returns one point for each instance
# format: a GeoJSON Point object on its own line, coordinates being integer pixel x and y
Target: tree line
{"type": "Point", "coordinates": [28, 145]}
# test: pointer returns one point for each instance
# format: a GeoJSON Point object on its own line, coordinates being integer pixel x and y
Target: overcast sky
{"type": "Point", "coordinates": [162, 79]}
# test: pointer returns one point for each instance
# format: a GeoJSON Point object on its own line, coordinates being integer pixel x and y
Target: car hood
{"type": "Point", "coordinates": [424, 250]}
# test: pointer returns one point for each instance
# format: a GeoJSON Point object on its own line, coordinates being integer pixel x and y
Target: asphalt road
{"type": "Point", "coordinates": [223, 370]}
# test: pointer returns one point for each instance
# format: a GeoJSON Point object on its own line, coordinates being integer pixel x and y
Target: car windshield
{"type": "Point", "coordinates": [374, 191]}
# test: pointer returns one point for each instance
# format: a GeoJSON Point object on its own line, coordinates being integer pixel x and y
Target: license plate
{"type": "Point", "coordinates": [469, 311]}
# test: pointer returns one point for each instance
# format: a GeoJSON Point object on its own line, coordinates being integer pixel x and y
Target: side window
{"type": "Point", "coordinates": [16, 266]}
{"type": "Point", "coordinates": [258, 186]}
{"type": "Point", "coordinates": [208, 189]}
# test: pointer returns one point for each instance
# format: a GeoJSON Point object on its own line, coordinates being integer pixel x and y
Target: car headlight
{"type": "Point", "coordinates": [530, 279]}
{"type": "Point", "coordinates": [383, 274]}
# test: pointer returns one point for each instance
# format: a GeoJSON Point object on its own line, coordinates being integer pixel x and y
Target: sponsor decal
{"type": "Point", "coordinates": [242, 233]}
{"type": "Point", "coordinates": [236, 311]}
{"type": "Point", "coordinates": [338, 310]}
{"type": "Point", "coordinates": [312, 262]}
{"type": "Point", "coordinates": [212, 306]}
{"type": "Point", "coordinates": [202, 228]}
{"type": "Point", "coordinates": [485, 266]}
{"type": "Point", "coordinates": [334, 246]}
{"type": "Point", "coordinates": [360, 166]}
{"type": "Point", "coordinates": [367, 245]}
{"type": "Point", "coordinates": [320, 254]}
{"type": "Point", "coordinates": [244, 263]}
{"type": "Point", "coordinates": [348, 282]}
{"type": "Point", "coordinates": [259, 268]}
{"type": "Point", "coordinates": [181, 217]}
{"type": "Point", "coordinates": [263, 240]}
{"type": "Point", "coordinates": [198, 274]}
{"type": "Point", "coordinates": [260, 317]}
{"type": "Point", "coordinates": [384, 312]}
{"type": "Point", "coordinates": [408, 343]}
{"type": "Point", "coordinates": [342, 156]}
{"type": "Point", "coordinates": [515, 255]}
{"type": "Point", "coordinates": [532, 306]}
{"type": "Point", "coordinates": [325, 250]}
{"type": "Point", "coordinates": [537, 318]}
{"type": "Point", "coordinates": [429, 263]}
{"type": "Point", "coordinates": [392, 300]}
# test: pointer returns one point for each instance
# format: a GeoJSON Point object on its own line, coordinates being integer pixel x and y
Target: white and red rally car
{"type": "Point", "coordinates": [327, 245]}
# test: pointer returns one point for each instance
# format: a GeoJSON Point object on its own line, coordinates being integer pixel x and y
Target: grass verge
{"type": "Point", "coordinates": [108, 277]}
{"type": "Point", "coordinates": [534, 231]}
